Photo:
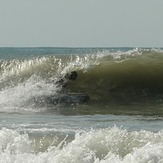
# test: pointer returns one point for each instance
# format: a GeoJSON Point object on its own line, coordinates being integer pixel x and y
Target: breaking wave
{"type": "Point", "coordinates": [105, 75]}
{"type": "Point", "coordinates": [96, 146]}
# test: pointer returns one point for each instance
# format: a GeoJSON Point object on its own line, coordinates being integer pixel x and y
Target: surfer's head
{"type": "Point", "coordinates": [73, 75]}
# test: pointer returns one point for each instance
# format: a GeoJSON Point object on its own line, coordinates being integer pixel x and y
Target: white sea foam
{"type": "Point", "coordinates": [19, 97]}
{"type": "Point", "coordinates": [97, 146]}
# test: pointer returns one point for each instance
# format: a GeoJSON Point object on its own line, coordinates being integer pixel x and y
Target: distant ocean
{"type": "Point", "coordinates": [121, 123]}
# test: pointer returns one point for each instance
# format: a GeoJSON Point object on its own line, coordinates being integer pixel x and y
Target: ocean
{"type": "Point", "coordinates": [122, 122]}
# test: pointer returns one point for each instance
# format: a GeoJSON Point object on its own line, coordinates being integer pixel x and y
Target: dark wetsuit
{"type": "Point", "coordinates": [63, 82]}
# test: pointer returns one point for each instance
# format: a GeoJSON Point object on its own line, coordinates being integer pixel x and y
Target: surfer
{"type": "Point", "coordinates": [63, 82]}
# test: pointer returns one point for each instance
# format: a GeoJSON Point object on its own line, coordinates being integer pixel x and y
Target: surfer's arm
{"type": "Point", "coordinates": [62, 82]}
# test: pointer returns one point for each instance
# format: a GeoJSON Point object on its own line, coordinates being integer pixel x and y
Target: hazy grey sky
{"type": "Point", "coordinates": [81, 23]}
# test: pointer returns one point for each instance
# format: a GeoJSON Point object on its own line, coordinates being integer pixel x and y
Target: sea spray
{"type": "Point", "coordinates": [107, 76]}
{"type": "Point", "coordinates": [96, 146]}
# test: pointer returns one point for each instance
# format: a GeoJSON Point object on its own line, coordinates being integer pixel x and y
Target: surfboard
{"type": "Point", "coordinates": [63, 98]}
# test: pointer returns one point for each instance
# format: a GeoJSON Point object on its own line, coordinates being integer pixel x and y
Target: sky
{"type": "Point", "coordinates": [81, 23]}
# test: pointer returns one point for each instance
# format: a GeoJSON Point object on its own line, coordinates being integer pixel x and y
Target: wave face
{"type": "Point", "coordinates": [107, 75]}
{"type": "Point", "coordinates": [127, 75]}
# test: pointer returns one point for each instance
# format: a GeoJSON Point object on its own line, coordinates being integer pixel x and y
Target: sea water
{"type": "Point", "coordinates": [121, 122]}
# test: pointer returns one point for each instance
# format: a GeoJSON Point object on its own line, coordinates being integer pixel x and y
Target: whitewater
{"type": "Point", "coordinates": [121, 122]}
